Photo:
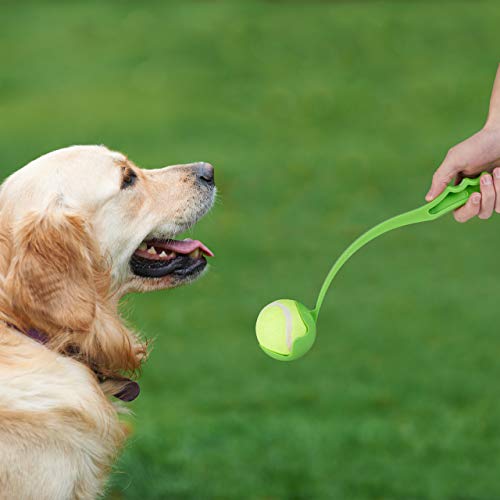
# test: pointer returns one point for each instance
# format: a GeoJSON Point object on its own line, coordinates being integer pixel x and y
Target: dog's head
{"type": "Point", "coordinates": [81, 226]}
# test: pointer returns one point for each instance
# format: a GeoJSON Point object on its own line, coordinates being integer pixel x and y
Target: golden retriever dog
{"type": "Point", "coordinates": [79, 228]}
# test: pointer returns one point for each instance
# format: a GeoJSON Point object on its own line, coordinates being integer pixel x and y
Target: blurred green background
{"type": "Point", "coordinates": [322, 118]}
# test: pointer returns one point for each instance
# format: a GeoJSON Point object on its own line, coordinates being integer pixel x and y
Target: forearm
{"type": "Point", "coordinates": [493, 120]}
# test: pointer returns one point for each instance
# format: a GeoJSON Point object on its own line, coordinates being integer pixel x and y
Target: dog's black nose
{"type": "Point", "coordinates": [206, 173]}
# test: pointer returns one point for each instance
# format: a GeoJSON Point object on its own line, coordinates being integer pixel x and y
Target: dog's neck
{"type": "Point", "coordinates": [130, 388]}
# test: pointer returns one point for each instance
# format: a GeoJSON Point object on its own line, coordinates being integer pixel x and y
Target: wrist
{"type": "Point", "coordinates": [492, 126]}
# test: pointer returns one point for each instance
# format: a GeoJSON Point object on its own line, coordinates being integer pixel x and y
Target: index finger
{"type": "Point", "coordinates": [470, 209]}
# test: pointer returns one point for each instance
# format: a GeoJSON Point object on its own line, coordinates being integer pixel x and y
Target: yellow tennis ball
{"type": "Point", "coordinates": [285, 329]}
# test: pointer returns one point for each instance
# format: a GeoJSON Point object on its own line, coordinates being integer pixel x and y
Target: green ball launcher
{"type": "Point", "coordinates": [286, 328]}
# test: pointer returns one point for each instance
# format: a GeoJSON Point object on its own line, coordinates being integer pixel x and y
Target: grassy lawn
{"type": "Point", "coordinates": [322, 118]}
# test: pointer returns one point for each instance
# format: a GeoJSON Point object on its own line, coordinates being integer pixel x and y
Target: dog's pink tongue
{"type": "Point", "coordinates": [186, 246]}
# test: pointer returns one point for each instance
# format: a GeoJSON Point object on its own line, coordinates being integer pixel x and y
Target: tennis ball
{"type": "Point", "coordinates": [285, 329]}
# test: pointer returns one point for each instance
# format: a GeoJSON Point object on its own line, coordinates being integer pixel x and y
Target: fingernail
{"type": "Point", "coordinates": [486, 180]}
{"type": "Point", "coordinates": [496, 173]}
{"type": "Point", "coordinates": [476, 198]}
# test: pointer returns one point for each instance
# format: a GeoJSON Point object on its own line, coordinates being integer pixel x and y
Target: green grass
{"type": "Point", "coordinates": [322, 119]}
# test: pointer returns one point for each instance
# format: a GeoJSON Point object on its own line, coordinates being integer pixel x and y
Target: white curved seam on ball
{"type": "Point", "coordinates": [288, 323]}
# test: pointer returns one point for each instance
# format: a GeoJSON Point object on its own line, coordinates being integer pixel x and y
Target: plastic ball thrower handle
{"type": "Point", "coordinates": [450, 199]}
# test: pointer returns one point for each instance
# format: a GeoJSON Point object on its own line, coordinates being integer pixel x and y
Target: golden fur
{"type": "Point", "coordinates": [64, 252]}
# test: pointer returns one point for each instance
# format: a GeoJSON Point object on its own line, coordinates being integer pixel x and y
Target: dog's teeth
{"type": "Point", "coordinates": [152, 250]}
{"type": "Point", "coordinates": [163, 254]}
{"type": "Point", "coordinates": [143, 246]}
{"type": "Point", "coordinates": [195, 254]}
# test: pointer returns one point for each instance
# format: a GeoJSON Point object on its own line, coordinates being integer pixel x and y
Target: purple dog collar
{"type": "Point", "coordinates": [40, 337]}
{"type": "Point", "coordinates": [129, 391]}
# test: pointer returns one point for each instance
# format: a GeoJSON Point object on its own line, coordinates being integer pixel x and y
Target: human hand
{"type": "Point", "coordinates": [479, 153]}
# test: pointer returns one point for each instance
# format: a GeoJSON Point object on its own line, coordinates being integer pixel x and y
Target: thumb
{"type": "Point", "coordinates": [443, 175]}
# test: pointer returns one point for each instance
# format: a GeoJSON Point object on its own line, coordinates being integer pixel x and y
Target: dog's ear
{"type": "Point", "coordinates": [57, 282]}
{"type": "Point", "coordinates": [51, 278]}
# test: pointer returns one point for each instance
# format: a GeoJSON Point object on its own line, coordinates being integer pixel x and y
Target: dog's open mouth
{"type": "Point", "coordinates": [158, 258]}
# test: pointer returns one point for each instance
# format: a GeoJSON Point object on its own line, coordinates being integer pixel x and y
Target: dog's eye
{"type": "Point", "coordinates": [128, 179]}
